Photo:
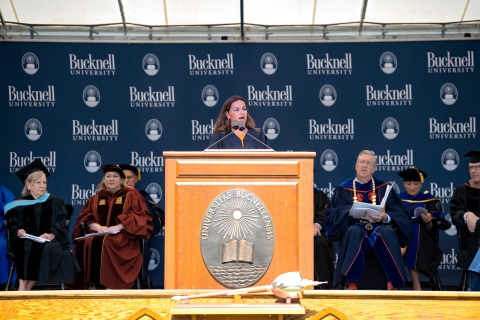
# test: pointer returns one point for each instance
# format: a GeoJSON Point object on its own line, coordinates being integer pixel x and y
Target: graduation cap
{"type": "Point", "coordinates": [474, 156]}
{"type": "Point", "coordinates": [413, 174]}
{"type": "Point", "coordinates": [134, 169]}
{"type": "Point", "coordinates": [113, 168]}
{"type": "Point", "coordinates": [35, 165]}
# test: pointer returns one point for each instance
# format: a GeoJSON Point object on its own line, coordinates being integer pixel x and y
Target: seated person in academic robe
{"type": "Point", "coordinates": [465, 213]}
{"type": "Point", "coordinates": [112, 260]}
{"type": "Point", "coordinates": [226, 137]}
{"type": "Point", "coordinates": [132, 176]}
{"type": "Point", "coordinates": [475, 270]}
{"type": "Point", "coordinates": [423, 255]}
{"type": "Point", "coordinates": [42, 215]}
{"type": "Point", "coordinates": [5, 197]}
{"type": "Point", "coordinates": [323, 252]}
{"type": "Point", "coordinates": [385, 234]}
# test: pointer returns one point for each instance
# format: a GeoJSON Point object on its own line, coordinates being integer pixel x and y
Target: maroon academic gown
{"type": "Point", "coordinates": [112, 260]}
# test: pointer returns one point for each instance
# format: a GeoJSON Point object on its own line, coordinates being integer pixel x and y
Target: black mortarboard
{"type": "Point", "coordinates": [413, 174]}
{"type": "Point", "coordinates": [113, 168]}
{"type": "Point", "coordinates": [134, 169]}
{"type": "Point", "coordinates": [35, 165]}
{"type": "Point", "coordinates": [474, 156]}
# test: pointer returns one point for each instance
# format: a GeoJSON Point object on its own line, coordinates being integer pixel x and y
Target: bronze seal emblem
{"type": "Point", "coordinates": [237, 238]}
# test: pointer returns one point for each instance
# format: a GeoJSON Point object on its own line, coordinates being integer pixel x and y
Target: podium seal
{"type": "Point", "coordinates": [237, 238]}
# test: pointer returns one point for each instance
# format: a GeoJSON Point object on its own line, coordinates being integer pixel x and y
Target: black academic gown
{"type": "Point", "coordinates": [158, 217]}
{"type": "Point", "coordinates": [356, 241]}
{"type": "Point", "coordinates": [466, 198]}
{"type": "Point", "coordinates": [231, 141]}
{"type": "Point", "coordinates": [324, 253]}
{"type": "Point", "coordinates": [50, 261]}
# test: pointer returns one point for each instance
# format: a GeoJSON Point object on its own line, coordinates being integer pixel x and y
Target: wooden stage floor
{"type": "Point", "coordinates": [315, 304]}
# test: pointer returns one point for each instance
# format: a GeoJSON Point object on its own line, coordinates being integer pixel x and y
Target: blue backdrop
{"type": "Point", "coordinates": [79, 106]}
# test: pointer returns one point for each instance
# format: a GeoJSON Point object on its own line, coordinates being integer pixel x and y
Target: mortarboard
{"type": "Point", "coordinates": [35, 165]}
{"type": "Point", "coordinates": [474, 156]}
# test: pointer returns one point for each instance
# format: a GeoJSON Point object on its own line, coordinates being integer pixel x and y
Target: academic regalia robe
{"type": "Point", "coordinates": [356, 241]}
{"type": "Point", "coordinates": [112, 260]}
{"type": "Point", "coordinates": [158, 217]}
{"type": "Point", "coordinates": [323, 252]}
{"type": "Point", "coordinates": [234, 142]}
{"type": "Point", "coordinates": [466, 198]}
{"type": "Point", "coordinates": [50, 261]}
{"type": "Point", "coordinates": [5, 197]}
{"type": "Point", "coordinates": [424, 254]}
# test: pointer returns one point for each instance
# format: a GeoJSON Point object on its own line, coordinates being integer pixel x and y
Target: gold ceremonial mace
{"type": "Point", "coordinates": [287, 285]}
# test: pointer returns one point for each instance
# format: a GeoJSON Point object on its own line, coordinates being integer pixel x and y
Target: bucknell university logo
{"type": "Point", "coordinates": [155, 260]}
{"type": "Point", "coordinates": [91, 96]}
{"type": "Point", "coordinates": [92, 161]}
{"type": "Point", "coordinates": [450, 159]}
{"type": "Point", "coordinates": [328, 95]}
{"type": "Point", "coordinates": [210, 96]}
{"type": "Point", "coordinates": [33, 129]}
{"type": "Point", "coordinates": [268, 63]}
{"type": "Point", "coordinates": [153, 129]}
{"type": "Point", "coordinates": [329, 160]}
{"type": "Point", "coordinates": [154, 191]}
{"type": "Point", "coordinates": [390, 128]}
{"type": "Point", "coordinates": [30, 63]}
{"type": "Point", "coordinates": [449, 94]}
{"type": "Point", "coordinates": [388, 62]}
{"type": "Point", "coordinates": [150, 64]}
{"type": "Point", "coordinates": [271, 128]}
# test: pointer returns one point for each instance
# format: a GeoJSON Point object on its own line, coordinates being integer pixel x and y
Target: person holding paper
{"type": "Point", "coordinates": [226, 137]}
{"type": "Point", "coordinates": [465, 213]}
{"type": "Point", "coordinates": [384, 233]}
{"type": "Point", "coordinates": [132, 176]}
{"type": "Point", "coordinates": [423, 255]}
{"type": "Point", "coordinates": [112, 260]}
{"type": "Point", "coordinates": [41, 214]}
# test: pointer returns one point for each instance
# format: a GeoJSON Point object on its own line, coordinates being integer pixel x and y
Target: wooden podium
{"type": "Point", "coordinates": [282, 180]}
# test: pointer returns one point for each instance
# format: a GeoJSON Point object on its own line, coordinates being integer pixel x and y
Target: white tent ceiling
{"type": "Point", "coordinates": [131, 14]}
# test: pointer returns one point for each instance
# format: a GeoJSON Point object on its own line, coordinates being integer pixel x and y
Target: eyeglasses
{"type": "Point", "coordinates": [368, 163]}
{"type": "Point", "coordinates": [474, 168]}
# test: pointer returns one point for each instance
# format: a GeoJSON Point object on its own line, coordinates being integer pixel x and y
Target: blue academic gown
{"type": "Point", "coordinates": [356, 241]}
{"type": "Point", "coordinates": [5, 197]}
{"type": "Point", "coordinates": [424, 254]}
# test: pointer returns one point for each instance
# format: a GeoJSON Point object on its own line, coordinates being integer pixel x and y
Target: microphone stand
{"type": "Point", "coordinates": [241, 127]}
{"type": "Point", "coordinates": [235, 126]}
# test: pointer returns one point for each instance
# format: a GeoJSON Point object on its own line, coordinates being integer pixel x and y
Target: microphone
{"type": "Point", "coordinates": [241, 127]}
{"type": "Point", "coordinates": [235, 126]}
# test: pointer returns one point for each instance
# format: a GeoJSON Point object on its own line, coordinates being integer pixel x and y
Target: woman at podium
{"type": "Point", "coordinates": [235, 128]}
{"type": "Point", "coordinates": [107, 233]}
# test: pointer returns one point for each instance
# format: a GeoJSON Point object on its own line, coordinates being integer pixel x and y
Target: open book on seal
{"type": "Point", "coordinates": [360, 210]}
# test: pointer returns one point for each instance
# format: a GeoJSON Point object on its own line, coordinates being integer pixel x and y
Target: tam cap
{"type": "Point", "coordinates": [134, 169]}
{"type": "Point", "coordinates": [413, 174]}
{"type": "Point", "coordinates": [113, 168]}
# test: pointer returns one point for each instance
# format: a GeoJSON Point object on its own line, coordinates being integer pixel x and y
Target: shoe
{"type": "Point", "coordinates": [352, 286]}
